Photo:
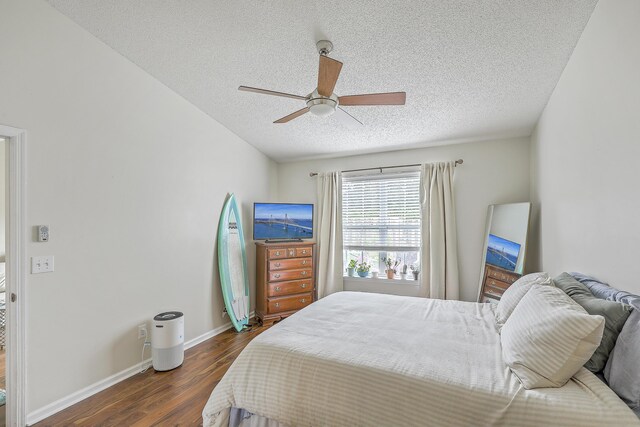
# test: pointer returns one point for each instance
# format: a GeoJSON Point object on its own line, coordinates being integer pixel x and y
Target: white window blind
{"type": "Point", "coordinates": [381, 212]}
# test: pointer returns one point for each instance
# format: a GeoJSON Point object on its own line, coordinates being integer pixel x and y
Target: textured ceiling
{"type": "Point", "coordinates": [471, 69]}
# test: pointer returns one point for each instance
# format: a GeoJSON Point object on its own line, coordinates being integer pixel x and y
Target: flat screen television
{"type": "Point", "coordinates": [282, 221]}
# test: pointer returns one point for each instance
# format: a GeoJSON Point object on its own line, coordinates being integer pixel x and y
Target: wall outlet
{"type": "Point", "coordinates": [41, 264]}
{"type": "Point", "coordinates": [142, 331]}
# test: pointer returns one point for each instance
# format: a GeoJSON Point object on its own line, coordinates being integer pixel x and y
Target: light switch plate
{"type": "Point", "coordinates": [41, 264]}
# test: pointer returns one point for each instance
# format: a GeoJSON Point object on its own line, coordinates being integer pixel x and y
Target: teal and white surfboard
{"type": "Point", "coordinates": [232, 264]}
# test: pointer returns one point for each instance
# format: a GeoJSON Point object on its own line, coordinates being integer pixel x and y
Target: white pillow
{"type": "Point", "coordinates": [512, 296]}
{"type": "Point", "coordinates": [548, 338]}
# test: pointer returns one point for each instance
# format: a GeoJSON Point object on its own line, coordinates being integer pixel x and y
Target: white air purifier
{"type": "Point", "coordinates": [167, 340]}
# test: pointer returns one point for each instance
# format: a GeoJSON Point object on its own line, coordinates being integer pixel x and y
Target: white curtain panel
{"type": "Point", "coordinates": [439, 259]}
{"type": "Point", "coordinates": [329, 211]}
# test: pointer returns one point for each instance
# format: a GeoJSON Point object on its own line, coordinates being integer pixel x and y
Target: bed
{"type": "Point", "coordinates": [381, 360]}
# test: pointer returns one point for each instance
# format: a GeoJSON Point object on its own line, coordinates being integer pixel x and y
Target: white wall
{"type": "Point", "coordinates": [131, 178]}
{"type": "Point", "coordinates": [586, 154]}
{"type": "Point", "coordinates": [493, 172]}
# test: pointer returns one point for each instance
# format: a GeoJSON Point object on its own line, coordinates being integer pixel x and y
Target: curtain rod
{"type": "Point", "coordinates": [458, 162]}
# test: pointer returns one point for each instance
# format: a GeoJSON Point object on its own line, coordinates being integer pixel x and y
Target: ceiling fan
{"type": "Point", "coordinates": [322, 101]}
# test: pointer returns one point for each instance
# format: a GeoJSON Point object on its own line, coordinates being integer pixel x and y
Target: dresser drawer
{"type": "Point", "coordinates": [277, 253]}
{"type": "Point", "coordinates": [287, 288]}
{"type": "Point", "coordinates": [288, 264]}
{"type": "Point", "coordinates": [296, 302]}
{"type": "Point", "coordinates": [492, 293]}
{"type": "Point", "coordinates": [497, 285]}
{"type": "Point", "coordinates": [303, 252]}
{"type": "Point", "coordinates": [302, 273]}
{"type": "Point", "coordinates": [505, 277]}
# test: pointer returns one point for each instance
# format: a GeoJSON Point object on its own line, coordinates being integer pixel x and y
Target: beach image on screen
{"type": "Point", "coordinates": [282, 221]}
{"type": "Point", "coordinates": [502, 253]}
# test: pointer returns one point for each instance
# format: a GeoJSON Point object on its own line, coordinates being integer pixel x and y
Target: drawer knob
{"type": "Point", "coordinates": [304, 251]}
{"type": "Point", "coordinates": [277, 276]}
{"type": "Point", "coordinates": [291, 253]}
{"type": "Point", "coordinates": [277, 304]}
{"type": "Point", "coordinates": [303, 300]}
{"type": "Point", "coordinates": [277, 253]}
{"type": "Point", "coordinates": [277, 264]}
{"type": "Point", "coordinates": [304, 273]}
{"type": "Point", "coordinates": [277, 288]}
{"type": "Point", "coordinates": [304, 262]}
{"type": "Point", "coordinates": [304, 285]}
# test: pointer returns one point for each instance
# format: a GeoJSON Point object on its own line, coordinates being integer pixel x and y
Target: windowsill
{"type": "Point", "coordinates": [409, 288]}
{"type": "Point", "coordinates": [381, 280]}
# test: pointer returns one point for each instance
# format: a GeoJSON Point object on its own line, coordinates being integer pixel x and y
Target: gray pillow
{"type": "Point", "coordinates": [614, 313]}
{"type": "Point", "coordinates": [623, 371]}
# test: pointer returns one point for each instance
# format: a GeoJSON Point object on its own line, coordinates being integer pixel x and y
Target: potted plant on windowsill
{"type": "Point", "coordinates": [363, 269]}
{"type": "Point", "coordinates": [391, 267]}
{"type": "Point", "coordinates": [416, 271]}
{"type": "Point", "coordinates": [403, 274]}
{"type": "Point", "coordinates": [351, 268]}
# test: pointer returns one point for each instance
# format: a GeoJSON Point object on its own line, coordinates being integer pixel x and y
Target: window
{"type": "Point", "coordinates": [381, 218]}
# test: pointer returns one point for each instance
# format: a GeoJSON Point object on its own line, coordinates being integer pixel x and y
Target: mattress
{"type": "Point", "coordinates": [381, 360]}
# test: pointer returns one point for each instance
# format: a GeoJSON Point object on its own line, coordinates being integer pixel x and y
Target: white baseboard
{"type": "Point", "coordinates": [60, 404]}
{"type": "Point", "coordinates": [212, 333]}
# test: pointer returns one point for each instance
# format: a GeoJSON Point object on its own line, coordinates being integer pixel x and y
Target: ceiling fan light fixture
{"type": "Point", "coordinates": [322, 106]}
{"type": "Point", "coordinates": [322, 110]}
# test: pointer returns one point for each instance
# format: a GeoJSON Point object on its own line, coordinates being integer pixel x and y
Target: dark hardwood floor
{"type": "Point", "coordinates": [161, 398]}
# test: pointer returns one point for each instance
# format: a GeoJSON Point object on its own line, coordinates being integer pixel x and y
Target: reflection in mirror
{"type": "Point", "coordinates": [504, 251]}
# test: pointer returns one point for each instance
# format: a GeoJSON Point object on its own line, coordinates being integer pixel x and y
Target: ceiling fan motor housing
{"type": "Point", "coordinates": [322, 106]}
{"type": "Point", "coordinates": [324, 47]}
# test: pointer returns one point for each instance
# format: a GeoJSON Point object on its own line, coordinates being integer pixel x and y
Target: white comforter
{"type": "Point", "coordinates": [358, 359]}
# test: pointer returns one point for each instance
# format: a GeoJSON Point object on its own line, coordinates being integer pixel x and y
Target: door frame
{"type": "Point", "coordinates": [16, 270]}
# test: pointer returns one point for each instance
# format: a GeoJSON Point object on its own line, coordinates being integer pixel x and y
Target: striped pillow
{"type": "Point", "coordinates": [515, 292]}
{"type": "Point", "coordinates": [548, 338]}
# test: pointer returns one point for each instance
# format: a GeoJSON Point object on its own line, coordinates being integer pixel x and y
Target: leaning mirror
{"type": "Point", "coordinates": [505, 247]}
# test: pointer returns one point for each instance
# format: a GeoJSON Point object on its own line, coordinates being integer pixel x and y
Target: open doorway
{"type": "Point", "coordinates": [13, 265]}
{"type": "Point", "coordinates": [3, 298]}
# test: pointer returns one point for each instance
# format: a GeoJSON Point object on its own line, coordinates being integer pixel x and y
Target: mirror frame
{"type": "Point", "coordinates": [487, 230]}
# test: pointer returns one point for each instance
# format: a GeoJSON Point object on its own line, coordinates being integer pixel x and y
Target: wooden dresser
{"type": "Point", "coordinates": [285, 279]}
{"type": "Point", "coordinates": [495, 281]}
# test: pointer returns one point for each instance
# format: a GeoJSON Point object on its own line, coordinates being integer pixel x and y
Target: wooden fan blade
{"type": "Point", "coordinates": [390, 98]}
{"type": "Point", "coordinates": [347, 119]}
{"type": "Point", "coordinates": [292, 116]}
{"type": "Point", "coordinates": [328, 74]}
{"type": "Point", "coordinates": [270, 92]}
